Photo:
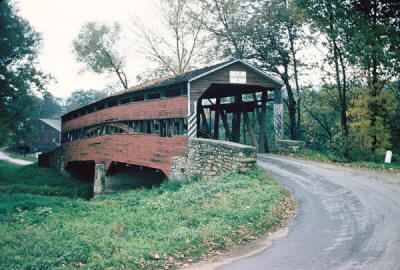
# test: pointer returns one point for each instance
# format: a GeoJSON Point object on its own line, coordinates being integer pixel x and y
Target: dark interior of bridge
{"type": "Point", "coordinates": [236, 113]}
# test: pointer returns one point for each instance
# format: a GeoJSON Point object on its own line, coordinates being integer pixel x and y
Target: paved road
{"type": "Point", "coordinates": [346, 219]}
{"type": "Point", "coordinates": [5, 157]}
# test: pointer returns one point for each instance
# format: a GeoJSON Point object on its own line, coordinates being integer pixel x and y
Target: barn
{"type": "Point", "coordinates": [149, 124]}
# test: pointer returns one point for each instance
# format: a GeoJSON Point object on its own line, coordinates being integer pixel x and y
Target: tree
{"type": "Point", "coordinates": [267, 32]}
{"type": "Point", "coordinates": [228, 21]}
{"type": "Point", "coordinates": [81, 98]}
{"type": "Point", "coordinates": [375, 48]}
{"type": "Point", "coordinates": [276, 41]}
{"type": "Point", "coordinates": [180, 46]}
{"type": "Point", "coordinates": [49, 106]}
{"type": "Point", "coordinates": [329, 17]}
{"type": "Point", "coordinates": [19, 76]}
{"type": "Point", "coordinates": [95, 46]}
{"type": "Point", "coordinates": [380, 133]}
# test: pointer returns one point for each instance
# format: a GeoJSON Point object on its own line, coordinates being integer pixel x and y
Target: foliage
{"type": "Point", "coordinates": [95, 46]}
{"type": "Point", "coordinates": [268, 33]}
{"type": "Point", "coordinates": [81, 98]}
{"type": "Point", "coordinates": [19, 76]}
{"type": "Point", "coordinates": [143, 228]}
{"type": "Point", "coordinates": [320, 115]}
{"type": "Point", "coordinates": [49, 106]}
{"type": "Point", "coordinates": [370, 161]}
{"type": "Point", "coordinates": [178, 47]}
{"type": "Point", "coordinates": [361, 115]}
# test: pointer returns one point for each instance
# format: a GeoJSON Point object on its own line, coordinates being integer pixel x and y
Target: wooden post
{"type": "Point", "coordinates": [209, 119]}
{"type": "Point", "coordinates": [226, 125]}
{"type": "Point", "coordinates": [236, 119]}
{"type": "Point", "coordinates": [262, 121]}
{"type": "Point", "coordinates": [172, 126]}
{"type": "Point", "coordinates": [205, 124]}
{"type": "Point", "coordinates": [216, 120]}
{"type": "Point", "coordinates": [251, 131]}
{"type": "Point", "coordinates": [199, 106]}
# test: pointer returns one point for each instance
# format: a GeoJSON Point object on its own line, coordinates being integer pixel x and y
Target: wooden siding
{"type": "Point", "coordinates": [199, 86]}
{"type": "Point", "coordinates": [137, 149]}
{"type": "Point", "coordinates": [154, 109]}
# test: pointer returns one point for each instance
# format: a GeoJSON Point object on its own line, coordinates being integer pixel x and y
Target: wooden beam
{"type": "Point", "coordinates": [172, 121]}
{"type": "Point", "coordinates": [204, 134]}
{"type": "Point", "coordinates": [236, 118]}
{"type": "Point", "coordinates": [216, 118]}
{"type": "Point", "coordinates": [251, 130]}
{"type": "Point", "coordinates": [226, 126]}
{"type": "Point", "coordinates": [261, 117]}
{"type": "Point", "coordinates": [205, 123]}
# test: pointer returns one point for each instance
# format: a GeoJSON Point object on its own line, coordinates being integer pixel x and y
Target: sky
{"type": "Point", "coordinates": [60, 21]}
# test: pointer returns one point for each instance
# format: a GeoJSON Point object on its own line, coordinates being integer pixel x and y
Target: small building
{"type": "Point", "coordinates": [47, 135]}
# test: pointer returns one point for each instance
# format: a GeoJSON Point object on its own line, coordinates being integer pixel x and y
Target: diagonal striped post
{"type": "Point", "coordinates": [192, 122]}
{"type": "Point", "coordinates": [278, 114]}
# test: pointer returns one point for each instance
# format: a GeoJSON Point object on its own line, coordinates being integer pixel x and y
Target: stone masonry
{"type": "Point", "coordinates": [289, 145]}
{"type": "Point", "coordinates": [209, 158]}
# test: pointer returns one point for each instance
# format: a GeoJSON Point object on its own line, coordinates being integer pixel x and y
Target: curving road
{"type": "Point", "coordinates": [346, 219]}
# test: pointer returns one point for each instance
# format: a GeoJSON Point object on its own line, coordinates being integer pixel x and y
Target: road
{"type": "Point", "coordinates": [5, 157]}
{"type": "Point", "coordinates": [346, 219]}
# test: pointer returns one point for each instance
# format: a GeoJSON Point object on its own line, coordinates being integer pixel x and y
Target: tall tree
{"type": "Point", "coordinates": [181, 45]}
{"type": "Point", "coordinates": [81, 98]}
{"type": "Point", "coordinates": [228, 21]}
{"type": "Point", "coordinates": [49, 106]}
{"type": "Point", "coordinates": [95, 46]}
{"type": "Point", "coordinates": [375, 48]}
{"type": "Point", "coordinates": [19, 76]}
{"type": "Point", "coordinates": [275, 42]}
{"type": "Point", "coordinates": [329, 17]}
{"type": "Point", "coordinates": [267, 32]}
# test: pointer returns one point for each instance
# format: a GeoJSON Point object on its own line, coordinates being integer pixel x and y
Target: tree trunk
{"type": "Point", "coordinates": [291, 105]}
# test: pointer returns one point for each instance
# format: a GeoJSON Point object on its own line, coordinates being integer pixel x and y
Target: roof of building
{"type": "Point", "coordinates": [54, 123]}
{"type": "Point", "coordinates": [191, 75]}
{"type": "Point", "coordinates": [186, 77]}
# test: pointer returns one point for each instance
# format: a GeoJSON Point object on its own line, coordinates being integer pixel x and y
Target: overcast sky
{"type": "Point", "coordinates": [60, 21]}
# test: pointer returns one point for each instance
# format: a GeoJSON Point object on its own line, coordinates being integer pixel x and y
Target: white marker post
{"type": "Point", "coordinates": [388, 158]}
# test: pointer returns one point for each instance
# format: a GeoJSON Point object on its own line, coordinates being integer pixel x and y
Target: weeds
{"type": "Point", "coordinates": [175, 223]}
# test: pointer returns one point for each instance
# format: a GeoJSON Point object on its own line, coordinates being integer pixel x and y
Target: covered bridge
{"type": "Point", "coordinates": [149, 124]}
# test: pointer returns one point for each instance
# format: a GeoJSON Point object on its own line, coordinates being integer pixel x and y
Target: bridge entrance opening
{"type": "Point", "coordinates": [237, 113]}
{"type": "Point", "coordinates": [122, 176]}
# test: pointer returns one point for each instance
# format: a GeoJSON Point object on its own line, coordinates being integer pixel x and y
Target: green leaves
{"type": "Point", "coordinates": [19, 76]}
{"type": "Point", "coordinates": [95, 46]}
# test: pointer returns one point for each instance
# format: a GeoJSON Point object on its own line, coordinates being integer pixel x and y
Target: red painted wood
{"type": "Point", "coordinates": [154, 109]}
{"type": "Point", "coordinates": [148, 150]}
{"type": "Point", "coordinates": [138, 149]}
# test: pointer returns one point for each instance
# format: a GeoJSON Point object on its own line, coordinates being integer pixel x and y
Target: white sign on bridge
{"type": "Point", "coordinates": [237, 77]}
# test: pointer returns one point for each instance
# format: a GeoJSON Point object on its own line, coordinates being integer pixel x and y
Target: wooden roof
{"type": "Point", "coordinates": [186, 77]}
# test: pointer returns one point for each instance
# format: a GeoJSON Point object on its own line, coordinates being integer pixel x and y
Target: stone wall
{"type": "Point", "coordinates": [53, 159]}
{"type": "Point", "coordinates": [208, 158]}
{"type": "Point", "coordinates": [289, 145]}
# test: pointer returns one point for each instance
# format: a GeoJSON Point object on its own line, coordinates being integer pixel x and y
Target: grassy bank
{"type": "Point", "coordinates": [376, 162]}
{"type": "Point", "coordinates": [169, 225]}
{"type": "Point", "coordinates": [33, 180]}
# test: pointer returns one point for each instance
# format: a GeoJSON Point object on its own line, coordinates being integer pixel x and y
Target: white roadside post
{"type": "Point", "coordinates": [388, 158]}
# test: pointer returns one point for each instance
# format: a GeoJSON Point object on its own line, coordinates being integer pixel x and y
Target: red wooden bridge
{"type": "Point", "coordinates": [150, 123]}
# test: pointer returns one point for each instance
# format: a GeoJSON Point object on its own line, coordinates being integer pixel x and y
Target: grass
{"type": "Point", "coordinates": [394, 167]}
{"type": "Point", "coordinates": [169, 225]}
{"type": "Point", "coordinates": [31, 179]}
{"type": "Point", "coordinates": [17, 155]}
